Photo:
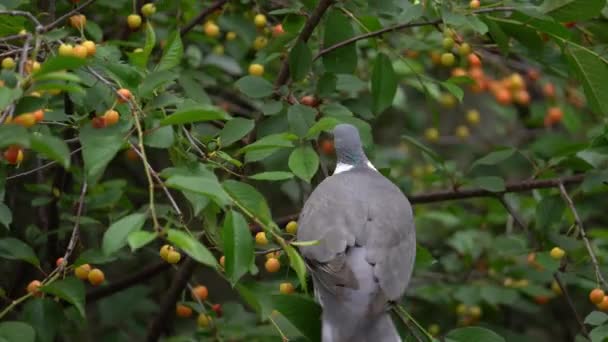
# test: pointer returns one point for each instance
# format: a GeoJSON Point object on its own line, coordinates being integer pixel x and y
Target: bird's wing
{"type": "Point", "coordinates": [360, 208]}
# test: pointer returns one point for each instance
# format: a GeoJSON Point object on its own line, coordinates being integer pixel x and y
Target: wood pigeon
{"type": "Point", "coordinates": [367, 245]}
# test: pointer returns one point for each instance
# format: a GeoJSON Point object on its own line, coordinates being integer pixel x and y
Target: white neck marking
{"type": "Point", "coordinates": [343, 167]}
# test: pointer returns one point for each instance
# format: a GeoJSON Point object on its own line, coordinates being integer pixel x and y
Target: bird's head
{"type": "Point", "coordinates": [347, 142]}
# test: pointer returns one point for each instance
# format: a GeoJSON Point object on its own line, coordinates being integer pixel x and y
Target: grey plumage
{"type": "Point", "coordinates": [366, 248]}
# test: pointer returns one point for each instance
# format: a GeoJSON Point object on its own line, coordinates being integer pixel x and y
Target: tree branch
{"type": "Point", "coordinates": [305, 34]}
{"type": "Point", "coordinates": [522, 186]}
{"type": "Point", "coordinates": [450, 195]}
{"type": "Point", "coordinates": [201, 16]}
{"type": "Point", "coordinates": [167, 306]}
{"type": "Point", "coordinates": [126, 282]}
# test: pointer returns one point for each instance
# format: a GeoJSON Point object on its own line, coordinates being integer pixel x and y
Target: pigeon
{"type": "Point", "coordinates": [366, 246]}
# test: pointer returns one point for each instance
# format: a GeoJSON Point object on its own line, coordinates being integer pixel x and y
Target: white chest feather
{"type": "Point", "coordinates": [342, 167]}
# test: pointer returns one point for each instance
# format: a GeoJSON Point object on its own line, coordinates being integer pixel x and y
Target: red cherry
{"type": "Point", "coordinates": [217, 308]}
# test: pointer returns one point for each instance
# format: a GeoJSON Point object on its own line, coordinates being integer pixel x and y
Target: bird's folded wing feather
{"type": "Point", "coordinates": [364, 209]}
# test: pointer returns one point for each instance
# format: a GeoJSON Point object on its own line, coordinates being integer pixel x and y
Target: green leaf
{"type": "Point", "coordinates": [572, 10]}
{"type": "Point", "coordinates": [6, 96]}
{"type": "Point", "coordinates": [549, 211]}
{"type": "Point", "coordinates": [17, 331]}
{"type": "Point", "coordinates": [51, 147]}
{"type": "Point", "coordinates": [596, 318]}
{"type": "Point", "coordinates": [300, 119]}
{"type": "Point", "coordinates": [272, 175]}
{"type": "Point", "coordinates": [326, 84]}
{"type": "Point", "coordinates": [302, 312]}
{"type": "Point", "coordinates": [13, 135]}
{"type": "Point", "coordinates": [13, 249]}
{"type": "Point", "coordinates": [424, 259]}
{"type": "Point", "coordinates": [173, 52]}
{"type": "Point", "coordinates": [65, 87]}
{"type": "Point", "coordinates": [99, 146]}
{"type": "Point", "coordinates": [59, 76]}
{"type": "Point", "coordinates": [94, 256]}
{"type": "Point", "coordinates": [116, 235]}
{"type": "Point", "coordinates": [384, 84]}
{"type": "Point", "coordinates": [254, 86]}
{"type": "Point", "coordinates": [337, 29]}
{"type": "Point", "coordinates": [138, 239]}
{"type": "Point", "coordinates": [195, 114]}
{"type": "Point", "coordinates": [271, 107]}
{"type": "Point", "coordinates": [209, 187]}
{"type": "Point", "coordinates": [6, 217]}
{"type": "Point", "coordinates": [300, 60]}
{"type": "Point", "coordinates": [69, 289]}
{"type": "Point", "coordinates": [235, 130]}
{"type": "Point", "coordinates": [238, 246]}
{"type": "Point", "coordinates": [592, 72]}
{"type": "Point", "coordinates": [192, 247]}
{"type": "Point", "coordinates": [59, 63]}
{"type": "Point", "coordinates": [256, 295]}
{"type": "Point", "coordinates": [326, 124]}
{"type": "Point", "coordinates": [473, 334]}
{"type": "Point", "coordinates": [495, 157]}
{"type": "Point", "coordinates": [249, 198]}
{"type": "Point", "coordinates": [599, 334]}
{"type": "Point", "coordinates": [155, 80]}
{"type": "Point", "coordinates": [45, 315]}
{"type": "Point", "coordinates": [269, 141]}
{"type": "Point", "coordinates": [490, 183]}
{"type": "Point", "coordinates": [453, 89]}
{"type": "Point", "coordinates": [141, 59]}
{"type": "Point", "coordinates": [160, 137]}
{"type": "Point", "coordinates": [466, 21]}
{"type": "Point", "coordinates": [426, 150]}
{"type": "Point", "coordinates": [304, 162]}
{"type": "Point", "coordinates": [93, 30]}
{"type": "Point", "coordinates": [297, 264]}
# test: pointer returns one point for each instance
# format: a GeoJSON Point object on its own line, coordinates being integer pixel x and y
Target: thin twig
{"type": "Point", "coordinates": [571, 304]}
{"type": "Point", "coordinates": [67, 15]}
{"type": "Point", "coordinates": [193, 143]}
{"type": "Point", "coordinates": [76, 230]}
{"type": "Point", "coordinates": [23, 58]}
{"type": "Point", "coordinates": [160, 182]}
{"type": "Point", "coordinates": [13, 37]}
{"type": "Point", "coordinates": [136, 111]}
{"type": "Point", "coordinates": [304, 35]}
{"type": "Point", "coordinates": [579, 223]}
{"type": "Point", "coordinates": [41, 167]}
{"type": "Point", "coordinates": [399, 27]}
{"type": "Point", "coordinates": [126, 282]}
{"type": "Point", "coordinates": [201, 16]}
{"type": "Point", "coordinates": [26, 14]}
{"type": "Point", "coordinates": [140, 142]}
{"type": "Point", "coordinates": [516, 217]}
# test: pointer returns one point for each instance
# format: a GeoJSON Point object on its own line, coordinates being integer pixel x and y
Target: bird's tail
{"type": "Point", "coordinates": [380, 329]}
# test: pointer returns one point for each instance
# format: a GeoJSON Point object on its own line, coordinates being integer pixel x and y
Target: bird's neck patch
{"type": "Point", "coordinates": [343, 167]}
